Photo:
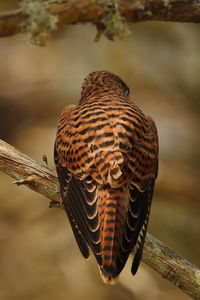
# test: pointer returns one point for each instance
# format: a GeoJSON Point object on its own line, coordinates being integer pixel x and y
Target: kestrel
{"type": "Point", "coordinates": [106, 156]}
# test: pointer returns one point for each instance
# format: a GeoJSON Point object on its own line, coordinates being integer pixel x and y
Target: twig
{"type": "Point", "coordinates": [83, 11]}
{"type": "Point", "coordinates": [41, 179]}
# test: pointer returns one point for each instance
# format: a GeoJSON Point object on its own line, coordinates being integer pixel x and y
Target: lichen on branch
{"type": "Point", "coordinates": [115, 24]}
{"type": "Point", "coordinates": [110, 16]}
{"type": "Point", "coordinates": [40, 22]}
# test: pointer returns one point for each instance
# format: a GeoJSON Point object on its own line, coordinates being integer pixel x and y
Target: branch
{"type": "Point", "coordinates": [25, 170]}
{"type": "Point", "coordinates": [172, 266]}
{"type": "Point", "coordinates": [84, 11]}
{"type": "Point", "coordinates": [161, 258]}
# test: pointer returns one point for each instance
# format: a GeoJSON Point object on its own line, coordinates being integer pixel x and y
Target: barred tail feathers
{"type": "Point", "coordinates": [112, 218]}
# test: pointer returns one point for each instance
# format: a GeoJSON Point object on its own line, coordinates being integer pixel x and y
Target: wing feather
{"type": "Point", "coordinates": [64, 178]}
{"type": "Point", "coordinates": [83, 217]}
{"type": "Point", "coordinates": [135, 227]}
{"type": "Point", "coordinates": [89, 227]}
{"type": "Point", "coordinates": [142, 233]}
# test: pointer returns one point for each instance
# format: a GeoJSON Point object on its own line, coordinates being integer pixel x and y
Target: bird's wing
{"type": "Point", "coordinates": [146, 198]}
{"type": "Point", "coordinates": [136, 226]}
{"type": "Point", "coordinates": [79, 197]}
{"type": "Point", "coordinates": [142, 162]}
{"type": "Point", "coordinates": [81, 209]}
{"type": "Point", "coordinates": [80, 158]}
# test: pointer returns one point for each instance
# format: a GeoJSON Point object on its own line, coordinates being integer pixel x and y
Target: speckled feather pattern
{"type": "Point", "coordinates": [106, 155]}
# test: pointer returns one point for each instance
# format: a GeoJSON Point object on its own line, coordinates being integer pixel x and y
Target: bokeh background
{"type": "Point", "coordinates": [160, 62]}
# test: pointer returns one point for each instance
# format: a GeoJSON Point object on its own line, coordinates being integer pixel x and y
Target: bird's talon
{"type": "Point", "coordinates": [44, 158]}
{"type": "Point", "coordinates": [55, 204]}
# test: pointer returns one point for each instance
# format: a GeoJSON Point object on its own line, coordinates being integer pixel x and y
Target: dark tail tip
{"type": "Point", "coordinates": [108, 273]}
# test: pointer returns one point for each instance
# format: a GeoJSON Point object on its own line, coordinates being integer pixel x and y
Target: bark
{"type": "Point", "coordinates": [84, 11]}
{"type": "Point", "coordinates": [25, 170]}
{"type": "Point", "coordinates": [158, 256]}
{"type": "Point", "coordinates": [172, 266]}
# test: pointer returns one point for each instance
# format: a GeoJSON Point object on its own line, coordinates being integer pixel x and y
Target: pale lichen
{"type": "Point", "coordinates": [166, 2]}
{"type": "Point", "coordinates": [115, 23]}
{"type": "Point", "coordinates": [147, 13]}
{"type": "Point", "coordinates": [144, 11]}
{"type": "Point", "coordinates": [39, 23]}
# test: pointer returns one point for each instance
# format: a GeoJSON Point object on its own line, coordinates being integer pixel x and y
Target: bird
{"type": "Point", "coordinates": [106, 157]}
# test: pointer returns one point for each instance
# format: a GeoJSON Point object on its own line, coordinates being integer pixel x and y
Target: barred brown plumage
{"type": "Point", "coordinates": [106, 156]}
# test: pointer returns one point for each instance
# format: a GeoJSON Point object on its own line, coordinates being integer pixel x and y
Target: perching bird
{"type": "Point", "coordinates": [106, 156]}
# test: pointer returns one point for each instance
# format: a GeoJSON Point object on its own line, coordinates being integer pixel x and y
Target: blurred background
{"type": "Point", "coordinates": [160, 62]}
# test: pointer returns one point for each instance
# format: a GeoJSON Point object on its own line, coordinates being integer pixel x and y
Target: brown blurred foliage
{"type": "Point", "coordinates": [160, 62]}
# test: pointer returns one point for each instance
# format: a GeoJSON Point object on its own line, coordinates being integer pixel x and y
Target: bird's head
{"type": "Point", "coordinates": [101, 81]}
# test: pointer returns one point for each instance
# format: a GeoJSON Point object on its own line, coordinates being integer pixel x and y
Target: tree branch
{"type": "Point", "coordinates": [83, 11]}
{"type": "Point", "coordinates": [25, 170]}
{"type": "Point", "coordinates": [172, 266]}
{"type": "Point", "coordinates": [161, 258]}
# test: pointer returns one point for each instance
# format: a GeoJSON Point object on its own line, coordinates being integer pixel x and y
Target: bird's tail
{"type": "Point", "coordinates": [112, 216]}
